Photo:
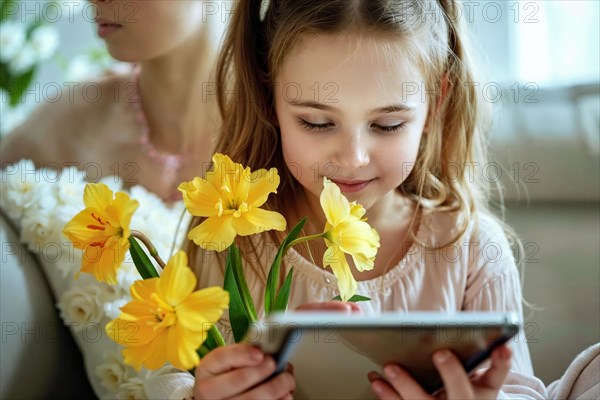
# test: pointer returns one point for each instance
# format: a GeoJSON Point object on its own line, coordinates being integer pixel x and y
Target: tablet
{"type": "Point", "coordinates": [332, 353]}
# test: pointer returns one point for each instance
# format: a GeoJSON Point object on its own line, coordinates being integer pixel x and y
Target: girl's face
{"type": "Point", "coordinates": [352, 110]}
{"type": "Point", "coordinates": [140, 30]}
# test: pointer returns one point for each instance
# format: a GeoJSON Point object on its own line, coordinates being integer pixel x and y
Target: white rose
{"type": "Point", "coordinates": [81, 306]}
{"type": "Point", "coordinates": [44, 41]}
{"type": "Point", "coordinates": [126, 276]}
{"type": "Point", "coordinates": [113, 372]}
{"type": "Point", "coordinates": [112, 309]}
{"type": "Point", "coordinates": [12, 117]}
{"type": "Point", "coordinates": [40, 229]}
{"type": "Point", "coordinates": [71, 185]}
{"type": "Point", "coordinates": [132, 389]}
{"type": "Point", "coordinates": [24, 60]}
{"type": "Point", "coordinates": [12, 38]}
{"type": "Point", "coordinates": [70, 260]}
{"type": "Point", "coordinates": [19, 183]}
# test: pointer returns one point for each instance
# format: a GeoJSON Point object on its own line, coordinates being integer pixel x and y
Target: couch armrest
{"type": "Point", "coordinates": [39, 356]}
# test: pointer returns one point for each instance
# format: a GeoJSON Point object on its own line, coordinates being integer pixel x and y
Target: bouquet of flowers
{"type": "Point", "coordinates": [167, 320]}
{"type": "Point", "coordinates": [38, 202]}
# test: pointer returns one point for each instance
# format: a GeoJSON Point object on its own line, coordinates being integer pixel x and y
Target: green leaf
{"type": "Point", "coordinates": [238, 316]}
{"type": "Point", "coordinates": [141, 260]}
{"type": "Point", "coordinates": [273, 278]}
{"type": "Point", "coordinates": [16, 87]}
{"type": "Point", "coordinates": [6, 7]}
{"type": "Point", "coordinates": [240, 279]}
{"type": "Point", "coordinates": [283, 296]}
{"type": "Point", "coordinates": [353, 299]}
{"type": "Point", "coordinates": [4, 76]}
{"type": "Point", "coordinates": [209, 344]}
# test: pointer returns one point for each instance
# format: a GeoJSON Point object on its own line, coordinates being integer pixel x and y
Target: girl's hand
{"type": "Point", "coordinates": [457, 383]}
{"type": "Point", "coordinates": [334, 305]}
{"type": "Point", "coordinates": [236, 371]}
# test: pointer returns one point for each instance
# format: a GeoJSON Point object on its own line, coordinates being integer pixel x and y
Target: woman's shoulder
{"type": "Point", "coordinates": [56, 128]}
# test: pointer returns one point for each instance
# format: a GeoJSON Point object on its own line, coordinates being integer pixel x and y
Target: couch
{"type": "Point", "coordinates": [39, 358]}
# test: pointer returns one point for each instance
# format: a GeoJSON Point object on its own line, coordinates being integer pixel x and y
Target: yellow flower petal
{"type": "Point", "coordinates": [214, 233]}
{"type": "Point", "coordinates": [265, 220]}
{"type": "Point", "coordinates": [202, 307]}
{"type": "Point", "coordinates": [143, 289]}
{"type": "Point", "coordinates": [263, 183]}
{"type": "Point", "coordinates": [155, 332]}
{"type": "Point", "coordinates": [335, 206]}
{"type": "Point", "coordinates": [97, 195]}
{"type": "Point", "coordinates": [181, 352]}
{"type": "Point", "coordinates": [336, 260]}
{"type": "Point", "coordinates": [130, 333]}
{"type": "Point", "coordinates": [200, 197]}
{"type": "Point", "coordinates": [358, 238]}
{"type": "Point", "coordinates": [232, 195]}
{"type": "Point", "coordinates": [152, 356]}
{"type": "Point", "coordinates": [177, 281]}
{"type": "Point", "coordinates": [347, 233]}
{"type": "Point", "coordinates": [102, 231]}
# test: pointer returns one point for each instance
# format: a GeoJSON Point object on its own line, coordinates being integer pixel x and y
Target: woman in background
{"type": "Point", "coordinates": [154, 126]}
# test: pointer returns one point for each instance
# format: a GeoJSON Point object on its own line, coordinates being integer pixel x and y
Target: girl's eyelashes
{"type": "Point", "coordinates": [389, 128]}
{"type": "Point", "coordinates": [315, 127]}
{"type": "Point", "coordinates": [318, 127]}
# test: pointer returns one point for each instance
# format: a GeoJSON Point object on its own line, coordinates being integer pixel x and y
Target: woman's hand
{"type": "Point", "coordinates": [334, 305]}
{"type": "Point", "coordinates": [236, 371]}
{"type": "Point", "coordinates": [457, 384]}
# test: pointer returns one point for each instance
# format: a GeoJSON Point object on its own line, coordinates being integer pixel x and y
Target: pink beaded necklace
{"type": "Point", "coordinates": [172, 162]}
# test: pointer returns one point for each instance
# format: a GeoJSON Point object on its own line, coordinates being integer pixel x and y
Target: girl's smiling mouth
{"type": "Point", "coordinates": [351, 185]}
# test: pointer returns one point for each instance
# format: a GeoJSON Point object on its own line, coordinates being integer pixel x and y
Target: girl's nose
{"type": "Point", "coordinates": [351, 151]}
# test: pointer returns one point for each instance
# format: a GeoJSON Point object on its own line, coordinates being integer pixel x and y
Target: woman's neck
{"type": "Point", "coordinates": [173, 89]}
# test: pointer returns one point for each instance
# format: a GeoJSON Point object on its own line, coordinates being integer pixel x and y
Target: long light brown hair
{"type": "Point", "coordinates": [432, 31]}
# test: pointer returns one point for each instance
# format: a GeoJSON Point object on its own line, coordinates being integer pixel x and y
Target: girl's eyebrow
{"type": "Point", "coordinates": [400, 107]}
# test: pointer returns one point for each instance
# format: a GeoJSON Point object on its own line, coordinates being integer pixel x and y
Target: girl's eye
{"type": "Point", "coordinates": [389, 128]}
{"type": "Point", "coordinates": [315, 127]}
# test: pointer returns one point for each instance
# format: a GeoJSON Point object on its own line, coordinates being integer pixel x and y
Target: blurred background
{"type": "Point", "coordinates": [541, 75]}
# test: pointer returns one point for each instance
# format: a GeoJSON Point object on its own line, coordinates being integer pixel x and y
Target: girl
{"type": "Point", "coordinates": [375, 95]}
{"type": "Point", "coordinates": [153, 127]}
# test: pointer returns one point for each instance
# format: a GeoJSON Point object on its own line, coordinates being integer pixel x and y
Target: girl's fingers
{"type": "Point", "coordinates": [341, 306]}
{"type": "Point", "coordinates": [456, 380]}
{"type": "Point", "coordinates": [236, 382]}
{"type": "Point", "coordinates": [403, 383]}
{"type": "Point", "coordinates": [495, 376]}
{"type": "Point", "coordinates": [226, 358]}
{"type": "Point", "coordinates": [279, 387]}
{"type": "Point", "coordinates": [384, 391]}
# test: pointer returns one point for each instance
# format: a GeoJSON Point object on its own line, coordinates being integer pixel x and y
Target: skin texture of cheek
{"type": "Point", "coordinates": [151, 28]}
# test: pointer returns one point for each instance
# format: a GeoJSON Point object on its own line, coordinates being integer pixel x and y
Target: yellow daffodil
{"type": "Point", "coordinates": [167, 321]}
{"type": "Point", "coordinates": [347, 232]}
{"type": "Point", "coordinates": [230, 198]}
{"type": "Point", "coordinates": [102, 231]}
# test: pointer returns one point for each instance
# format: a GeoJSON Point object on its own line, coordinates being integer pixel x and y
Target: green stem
{"type": "Point", "coordinates": [151, 249]}
{"type": "Point", "coordinates": [202, 351]}
{"type": "Point", "coordinates": [216, 335]}
{"type": "Point", "coordinates": [305, 239]}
